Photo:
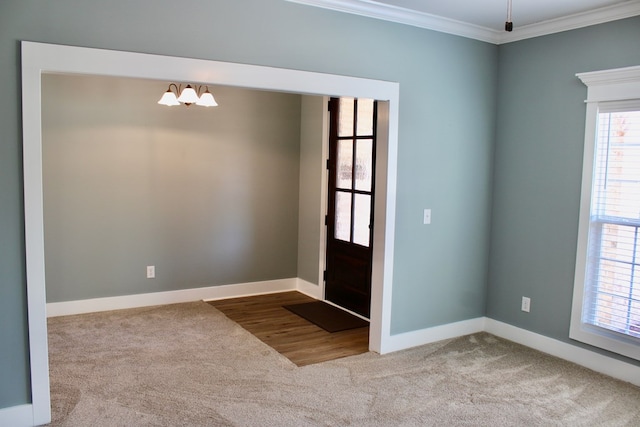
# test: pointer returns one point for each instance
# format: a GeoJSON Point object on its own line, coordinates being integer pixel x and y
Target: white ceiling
{"type": "Point", "coordinates": [492, 13]}
{"type": "Point", "coordinates": [484, 19]}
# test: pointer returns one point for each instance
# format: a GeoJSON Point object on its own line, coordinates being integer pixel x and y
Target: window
{"type": "Point", "coordinates": [606, 305]}
{"type": "Point", "coordinates": [613, 261]}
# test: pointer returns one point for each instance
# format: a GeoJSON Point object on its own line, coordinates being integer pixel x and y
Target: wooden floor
{"type": "Point", "coordinates": [297, 339]}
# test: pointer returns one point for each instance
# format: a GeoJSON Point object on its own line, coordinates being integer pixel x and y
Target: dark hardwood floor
{"type": "Point", "coordinates": [299, 340]}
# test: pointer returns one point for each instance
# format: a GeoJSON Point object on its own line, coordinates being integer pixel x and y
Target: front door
{"type": "Point", "coordinates": [352, 147]}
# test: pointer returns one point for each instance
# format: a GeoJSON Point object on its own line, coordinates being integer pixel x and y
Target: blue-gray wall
{"type": "Point", "coordinates": [538, 169]}
{"type": "Point", "coordinates": [447, 117]}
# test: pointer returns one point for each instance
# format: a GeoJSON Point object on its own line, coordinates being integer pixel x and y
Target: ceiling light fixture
{"type": "Point", "coordinates": [189, 95]}
{"type": "Point", "coordinates": [508, 26]}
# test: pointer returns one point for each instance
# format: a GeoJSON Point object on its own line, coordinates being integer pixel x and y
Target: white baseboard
{"type": "Point", "coordinates": [17, 416]}
{"type": "Point", "coordinates": [589, 359]}
{"type": "Point", "coordinates": [308, 288]}
{"type": "Point", "coordinates": [605, 365]}
{"type": "Point", "coordinates": [170, 297]}
{"type": "Point", "coordinates": [597, 362]}
{"type": "Point", "coordinates": [429, 335]}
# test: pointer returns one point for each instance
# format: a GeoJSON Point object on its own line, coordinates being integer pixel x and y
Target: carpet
{"type": "Point", "coordinates": [326, 316]}
{"type": "Point", "coordinates": [190, 365]}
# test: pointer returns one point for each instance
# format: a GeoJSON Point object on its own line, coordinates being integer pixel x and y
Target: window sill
{"type": "Point", "coordinates": [606, 340]}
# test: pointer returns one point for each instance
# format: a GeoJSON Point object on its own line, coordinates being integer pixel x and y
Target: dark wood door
{"type": "Point", "coordinates": [352, 143]}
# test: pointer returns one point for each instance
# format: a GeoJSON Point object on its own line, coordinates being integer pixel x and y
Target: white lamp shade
{"type": "Point", "coordinates": [188, 95]}
{"type": "Point", "coordinates": [169, 98]}
{"type": "Point", "coordinates": [207, 100]}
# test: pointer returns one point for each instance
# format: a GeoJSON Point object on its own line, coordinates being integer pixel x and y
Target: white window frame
{"type": "Point", "coordinates": [616, 85]}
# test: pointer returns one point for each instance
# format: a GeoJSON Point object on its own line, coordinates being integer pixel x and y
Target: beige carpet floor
{"type": "Point", "coordinates": [189, 365]}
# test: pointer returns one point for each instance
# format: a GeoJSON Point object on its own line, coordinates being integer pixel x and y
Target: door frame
{"type": "Point", "coordinates": [38, 58]}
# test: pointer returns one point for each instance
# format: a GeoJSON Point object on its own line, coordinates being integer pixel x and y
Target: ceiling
{"type": "Point", "coordinates": [484, 19]}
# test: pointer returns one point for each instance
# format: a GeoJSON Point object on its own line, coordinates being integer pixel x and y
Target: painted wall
{"type": "Point", "coordinates": [310, 223]}
{"type": "Point", "coordinates": [538, 169]}
{"type": "Point", "coordinates": [209, 196]}
{"type": "Point", "coordinates": [446, 131]}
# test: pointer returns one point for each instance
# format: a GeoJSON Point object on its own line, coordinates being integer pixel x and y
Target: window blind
{"type": "Point", "coordinates": [613, 264]}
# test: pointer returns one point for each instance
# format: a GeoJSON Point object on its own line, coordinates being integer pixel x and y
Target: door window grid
{"type": "Point", "coordinates": [354, 183]}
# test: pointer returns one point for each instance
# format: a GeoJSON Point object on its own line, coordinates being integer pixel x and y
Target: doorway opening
{"type": "Point", "coordinates": [38, 58]}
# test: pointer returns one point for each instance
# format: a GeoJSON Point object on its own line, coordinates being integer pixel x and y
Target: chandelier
{"type": "Point", "coordinates": [189, 95]}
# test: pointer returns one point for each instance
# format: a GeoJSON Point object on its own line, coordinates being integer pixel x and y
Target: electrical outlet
{"type": "Point", "coordinates": [526, 304]}
{"type": "Point", "coordinates": [151, 271]}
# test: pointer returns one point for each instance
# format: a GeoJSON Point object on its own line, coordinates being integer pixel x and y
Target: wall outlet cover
{"type": "Point", "coordinates": [426, 219]}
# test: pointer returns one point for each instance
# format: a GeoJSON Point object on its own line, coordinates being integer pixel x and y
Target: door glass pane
{"type": "Point", "coordinates": [364, 162]}
{"type": "Point", "coordinates": [344, 164]}
{"type": "Point", "coordinates": [345, 127]}
{"type": "Point", "coordinates": [362, 216]}
{"type": "Point", "coordinates": [365, 117]}
{"type": "Point", "coordinates": [343, 216]}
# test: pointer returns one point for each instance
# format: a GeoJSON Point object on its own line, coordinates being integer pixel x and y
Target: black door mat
{"type": "Point", "coordinates": [328, 317]}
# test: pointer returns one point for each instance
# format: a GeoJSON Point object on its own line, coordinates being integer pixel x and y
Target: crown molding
{"type": "Point", "coordinates": [618, 84]}
{"type": "Point", "coordinates": [385, 12]}
{"type": "Point", "coordinates": [607, 77]}
{"type": "Point", "coordinates": [372, 9]}
{"type": "Point", "coordinates": [572, 22]}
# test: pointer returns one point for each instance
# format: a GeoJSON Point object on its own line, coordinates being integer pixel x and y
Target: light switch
{"type": "Point", "coordinates": [427, 216]}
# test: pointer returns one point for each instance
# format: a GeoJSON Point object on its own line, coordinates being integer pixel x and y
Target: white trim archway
{"type": "Point", "coordinates": [38, 58]}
